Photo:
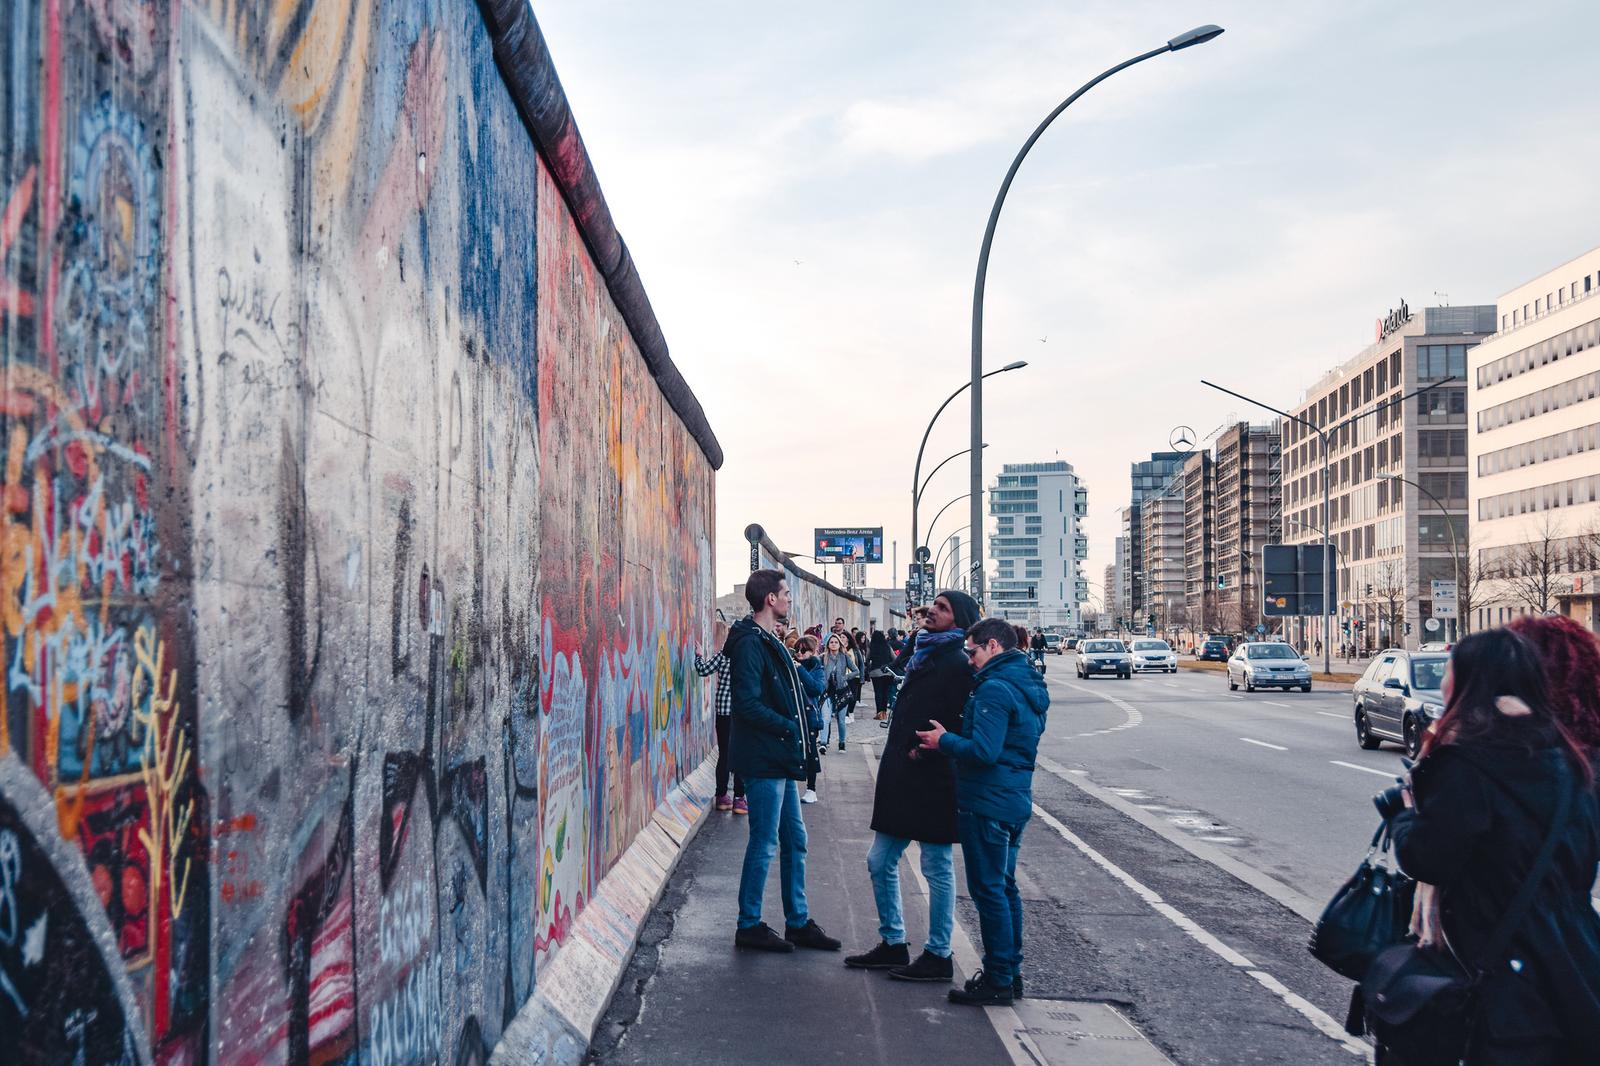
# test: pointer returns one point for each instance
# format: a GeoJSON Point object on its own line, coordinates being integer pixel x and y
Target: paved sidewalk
{"type": "Point", "coordinates": [689, 996]}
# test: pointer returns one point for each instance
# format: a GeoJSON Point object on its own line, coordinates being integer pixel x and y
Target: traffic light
{"type": "Point", "coordinates": [1119, 621]}
{"type": "Point", "coordinates": [1344, 624]}
{"type": "Point", "coordinates": [1408, 629]}
{"type": "Point", "coordinates": [1369, 588]}
{"type": "Point", "coordinates": [1150, 620]}
{"type": "Point", "coordinates": [1360, 624]}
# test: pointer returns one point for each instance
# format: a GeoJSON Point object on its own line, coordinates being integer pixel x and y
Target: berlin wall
{"type": "Point", "coordinates": [356, 532]}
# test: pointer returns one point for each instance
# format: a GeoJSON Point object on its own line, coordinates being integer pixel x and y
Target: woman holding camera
{"type": "Point", "coordinates": [1481, 801]}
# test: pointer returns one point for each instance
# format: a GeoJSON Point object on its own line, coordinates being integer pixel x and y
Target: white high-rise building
{"type": "Point", "coordinates": [1038, 545]}
{"type": "Point", "coordinates": [1533, 437]}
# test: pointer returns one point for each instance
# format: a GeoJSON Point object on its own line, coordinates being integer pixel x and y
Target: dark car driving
{"type": "Point", "coordinates": [1398, 697]}
{"type": "Point", "coordinates": [1213, 650]}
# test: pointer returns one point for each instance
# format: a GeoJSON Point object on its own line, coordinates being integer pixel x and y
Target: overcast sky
{"type": "Point", "coordinates": [804, 189]}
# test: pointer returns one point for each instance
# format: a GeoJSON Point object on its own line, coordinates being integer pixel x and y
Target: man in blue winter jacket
{"type": "Point", "coordinates": [993, 755]}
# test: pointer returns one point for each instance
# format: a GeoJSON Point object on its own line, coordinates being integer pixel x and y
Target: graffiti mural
{"type": "Point", "coordinates": [353, 554]}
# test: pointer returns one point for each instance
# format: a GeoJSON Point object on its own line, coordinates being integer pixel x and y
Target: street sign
{"type": "Point", "coordinates": [1293, 579]}
{"type": "Point", "coordinates": [1261, 627]}
{"type": "Point", "coordinates": [923, 554]}
{"type": "Point", "coordinates": [1444, 599]}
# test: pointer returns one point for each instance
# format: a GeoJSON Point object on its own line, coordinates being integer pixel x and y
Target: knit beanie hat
{"type": "Point", "coordinates": [964, 607]}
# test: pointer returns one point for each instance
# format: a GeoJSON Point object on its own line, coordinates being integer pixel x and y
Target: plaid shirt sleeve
{"type": "Point", "coordinates": [717, 664]}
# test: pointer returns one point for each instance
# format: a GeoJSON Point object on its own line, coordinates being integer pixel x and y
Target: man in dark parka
{"type": "Point", "coordinates": [916, 798]}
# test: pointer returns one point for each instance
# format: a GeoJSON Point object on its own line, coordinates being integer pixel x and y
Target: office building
{"type": "Point", "coordinates": [1038, 545]}
{"type": "Point", "coordinates": [1161, 518]}
{"type": "Point", "coordinates": [1532, 438]}
{"type": "Point", "coordinates": [1391, 539]}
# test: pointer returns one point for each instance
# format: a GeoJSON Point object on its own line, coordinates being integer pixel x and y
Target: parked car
{"type": "Point", "coordinates": [1152, 654]}
{"type": "Point", "coordinates": [1214, 650]}
{"type": "Point", "coordinates": [1104, 657]}
{"type": "Point", "coordinates": [1053, 642]}
{"type": "Point", "coordinates": [1268, 664]}
{"type": "Point", "coordinates": [1072, 643]}
{"type": "Point", "coordinates": [1398, 697]}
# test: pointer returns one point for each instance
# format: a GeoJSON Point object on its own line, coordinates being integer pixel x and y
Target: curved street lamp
{"type": "Point", "coordinates": [917, 483]}
{"type": "Point", "coordinates": [1455, 548]}
{"type": "Point", "coordinates": [936, 469]}
{"type": "Point", "coordinates": [1198, 35]}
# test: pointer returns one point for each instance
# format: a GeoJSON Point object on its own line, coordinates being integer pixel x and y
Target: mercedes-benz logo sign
{"type": "Point", "coordinates": [1182, 439]}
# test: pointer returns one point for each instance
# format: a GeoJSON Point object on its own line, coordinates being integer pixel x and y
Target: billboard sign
{"type": "Point", "coordinates": [1293, 578]}
{"type": "Point", "coordinates": [852, 545]}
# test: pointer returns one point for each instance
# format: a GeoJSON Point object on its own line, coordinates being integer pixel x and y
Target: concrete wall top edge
{"type": "Point", "coordinates": [529, 72]}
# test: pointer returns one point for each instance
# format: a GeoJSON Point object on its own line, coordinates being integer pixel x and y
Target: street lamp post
{"type": "Point", "coordinates": [935, 470]}
{"type": "Point", "coordinates": [917, 484]}
{"type": "Point", "coordinates": [1455, 548]}
{"type": "Point", "coordinates": [1199, 35]}
{"type": "Point", "coordinates": [1324, 435]}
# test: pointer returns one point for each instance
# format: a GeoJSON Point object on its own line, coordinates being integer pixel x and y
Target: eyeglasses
{"type": "Point", "coordinates": [972, 653]}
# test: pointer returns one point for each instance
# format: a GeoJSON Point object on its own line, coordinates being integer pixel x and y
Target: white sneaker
{"type": "Point", "coordinates": [809, 797]}
{"type": "Point", "coordinates": [849, 718]}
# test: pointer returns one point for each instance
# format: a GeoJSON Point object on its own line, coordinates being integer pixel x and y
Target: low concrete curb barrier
{"type": "Point", "coordinates": [572, 991]}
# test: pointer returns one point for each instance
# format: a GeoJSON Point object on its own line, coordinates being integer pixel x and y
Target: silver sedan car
{"type": "Point", "coordinates": [1152, 654]}
{"type": "Point", "coordinates": [1268, 664]}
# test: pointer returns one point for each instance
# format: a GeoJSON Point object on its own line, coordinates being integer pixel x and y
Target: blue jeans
{"type": "Point", "coordinates": [775, 825]}
{"type": "Point", "coordinates": [989, 848]}
{"type": "Point", "coordinates": [938, 866]}
{"type": "Point", "coordinates": [841, 706]}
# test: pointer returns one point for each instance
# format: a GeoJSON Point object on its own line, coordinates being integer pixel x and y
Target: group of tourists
{"type": "Point", "coordinates": [964, 711]}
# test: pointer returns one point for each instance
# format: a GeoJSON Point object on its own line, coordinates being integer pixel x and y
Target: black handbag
{"type": "Point", "coordinates": [1421, 1003]}
{"type": "Point", "coordinates": [1370, 912]}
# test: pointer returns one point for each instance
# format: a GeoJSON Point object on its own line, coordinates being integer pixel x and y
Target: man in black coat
{"type": "Point", "coordinates": [771, 746]}
{"type": "Point", "coordinates": [916, 795]}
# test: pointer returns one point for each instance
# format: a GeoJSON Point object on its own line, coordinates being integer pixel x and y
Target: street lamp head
{"type": "Point", "coordinates": [1018, 365]}
{"type": "Point", "coordinates": [1198, 35]}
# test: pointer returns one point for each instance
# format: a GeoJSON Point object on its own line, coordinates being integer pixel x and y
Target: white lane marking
{"type": "Point", "coordinates": [1134, 716]}
{"type": "Point", "coordinates": [1323, 1023]}
{"type": "Point", "coordinates": [1264, 744]}
{"type": "Point", "coordinates": [1363, 769]}
{"type": "Point", "coordinates": [1275, 703]}
{"type": "Point", "coordinates": [1330, 714]}
{"type": "Point", "coordinates": [1265, 883]}
{"type": "Point", "coordinates": [1005, 1020]}
{"type": "Point", "coordinates": [1231, 696]}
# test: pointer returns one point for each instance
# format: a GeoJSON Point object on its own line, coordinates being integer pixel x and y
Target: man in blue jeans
{"type": "Point", "coordinates": [771, 746]}
{"type": "Point", "coordinates": [994, 754]}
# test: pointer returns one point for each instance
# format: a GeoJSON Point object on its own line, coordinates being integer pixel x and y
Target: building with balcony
{"type": "Point", "coordinates": [1038, 545]}
{"type": "Point", "coordinates": [1391, 540]}
{"type": "Point", "coordinates": [1249, 516]}
{"type": "Point", "coordinates": [1199, 542]}
{"type": "Point", "coordinates": [1147, 478]}
{"type": "Point", "coordinates": [1533, 432]}
{"type": "Point", "coordinates": [1161, 520]}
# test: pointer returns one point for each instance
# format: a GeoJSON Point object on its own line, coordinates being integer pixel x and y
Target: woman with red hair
{"type": "Point", "coordinates": [1571, 658]}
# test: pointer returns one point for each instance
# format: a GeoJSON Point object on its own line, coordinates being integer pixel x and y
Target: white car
{"type": "Point", "coordinates": [1268, 664]}
{"type": "Point", "coordinates": [1104, 657]}
{"type": "Point", "coordinates": [1151, 654]}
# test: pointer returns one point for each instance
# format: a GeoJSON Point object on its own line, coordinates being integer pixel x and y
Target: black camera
{"type": "Point", "coordinates": [1391, 801]}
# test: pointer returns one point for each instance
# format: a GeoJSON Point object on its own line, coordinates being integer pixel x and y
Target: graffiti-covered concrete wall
{"type": "Point", "coordinates": [355, 537]}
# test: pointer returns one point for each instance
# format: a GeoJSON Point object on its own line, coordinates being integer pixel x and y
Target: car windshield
{"type": "Point", "coordinates": [1271, 651]}
{"type": "Point", "coordinates": [1151, 645]}
{"type": "Point", "coordinates": [1428, 673]}
{"type": "Point", "coordinates": [1103, 645]}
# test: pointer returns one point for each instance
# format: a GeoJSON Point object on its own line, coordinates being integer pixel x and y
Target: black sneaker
{"type": "Point", "coordinates": [841, 745]}
{"type": "Point", "coordinates": [882, 957]}
{"type": "Point", "coordinates": [928, 967]}
{"type": "Point", "coordinates": [811, 935]}
{"type": "Point", "coordinates": [1016, 987]}
{"type": "Point", "coordinates": [979, 992]}
{"type": "Point", "coordinates": [761, 938]}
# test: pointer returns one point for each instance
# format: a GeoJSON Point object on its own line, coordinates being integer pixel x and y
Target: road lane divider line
{"type": "Point", "coordinates": [1275, 703]}
{"type": "Point", "coordinates": [1331, 714]}
{"type": "Point", "coordinates": [1363, 769]}
{"type": "Point", "coordinates": [1318, 1018]}
{"type": "Point", "coordinates": [1134, 717]}
{"type": "Point", "coordinates": [1280, 893]}
{"type": "Point", "coordinates": [1005, 1021]}
{"type": "Point", "coordinates": [1264, 744]}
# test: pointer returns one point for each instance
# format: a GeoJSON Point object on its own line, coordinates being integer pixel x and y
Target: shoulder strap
{"type": "Point", "coordinates": [1500, 939]}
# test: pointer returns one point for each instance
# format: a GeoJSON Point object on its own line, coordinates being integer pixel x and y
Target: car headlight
{"type": "Point", "coordinates": [1433, 710]}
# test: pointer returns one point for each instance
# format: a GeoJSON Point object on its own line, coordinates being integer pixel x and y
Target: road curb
{"type": "Point", "coordinates": [572, 991]}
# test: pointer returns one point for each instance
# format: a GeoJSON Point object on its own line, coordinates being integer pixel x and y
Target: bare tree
{"type": "Point", "coordinates": [1389, 589]}
{"type": "Point", "coordinates": [1470, 576]}
{"type": "Point", "coordinates": [1535, 571]}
